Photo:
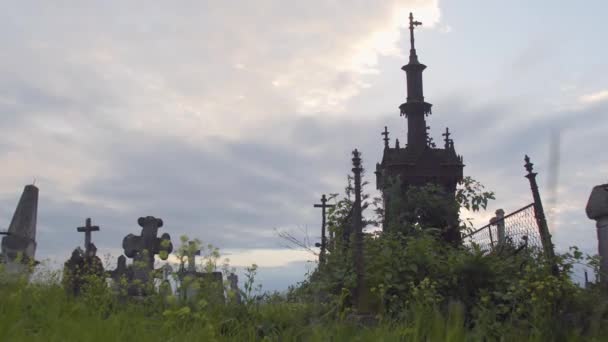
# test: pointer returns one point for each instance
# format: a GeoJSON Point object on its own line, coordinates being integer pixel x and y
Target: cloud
{"type": "Point", "coordinates": [595, 97]}
{"type": "Point", "coordinates": [229, 120]}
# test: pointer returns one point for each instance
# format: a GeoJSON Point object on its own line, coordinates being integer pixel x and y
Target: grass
{"type": "Point", "coordinates": [44, 312]}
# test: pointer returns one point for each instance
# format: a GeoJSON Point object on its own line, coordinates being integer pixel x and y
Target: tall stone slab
{"type": "Point", "coordinates": [19, 245]}
{"type": "Point", "coordinates": [597, 209]}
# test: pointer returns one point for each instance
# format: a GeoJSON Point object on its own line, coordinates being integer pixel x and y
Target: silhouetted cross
{"type": "Point", "coordinates": [386, 139]}
{"type": "Point", "coordinates": [447, 137]}
{"type": "Point", "coordinates": [323, 206]}
{"type": "Point", "coordinates": [87, 229]}
{"type": "Point", "coordinates": [412, 25]}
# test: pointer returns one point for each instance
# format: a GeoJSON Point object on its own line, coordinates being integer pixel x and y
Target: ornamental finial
{"type": "Point", "coordinates": [528, 165]}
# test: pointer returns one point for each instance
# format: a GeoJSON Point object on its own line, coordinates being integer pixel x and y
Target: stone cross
{"type": "Point", "coordinates": [192, 253]}
{"type": "Point", "coordinates": [87, 230]}
{"type": "Point", "coordinates": [142, 248]}
{"type": "Point", "coordinates": [323, 206]}
{"type": "Point", "coordinates": [386, 139]}
{"type": "Point", "coordinates": [597, 210]}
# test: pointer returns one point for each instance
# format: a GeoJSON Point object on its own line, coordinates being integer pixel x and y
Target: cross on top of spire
{"type": "Point", "coordinates": [413, 24]}
{"type": "Point", "coordinates": [447, 137]}
{"type": "Point", "coordinates": [386, 139]}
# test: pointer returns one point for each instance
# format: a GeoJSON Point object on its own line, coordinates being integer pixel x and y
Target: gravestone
{"type": "Point", "coordinates": [234, 287]}
{"type": "Point", "coordinates": [81, 269]}
{"type": "Point", "coordinates": [597, 209]}
{"type": "Point", "coordinates": [72, 272]}
{"type": "Point", "coordinates": [194, 283]}
{"type": "Point", "coordinates": [165, 288]}
{"type": "Point", "coordinates": [122, 277]}
{"type": "Point", "coordinates": [19, 243]}
{"type": "Point", "coordinates": [142, 249]}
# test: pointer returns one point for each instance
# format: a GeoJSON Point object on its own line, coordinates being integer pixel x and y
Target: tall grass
{"type": "Point", "coordinates": [44, 312]}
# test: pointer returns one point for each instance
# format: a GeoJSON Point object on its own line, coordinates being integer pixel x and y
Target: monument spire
{"type": "Point", "coordinates": [415, 108]}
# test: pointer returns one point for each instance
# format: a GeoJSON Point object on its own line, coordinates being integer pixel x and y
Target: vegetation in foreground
{"type": "Point", "coordinates": [459, 296]}
{"type": "Point", "coordinates": [419, 288]}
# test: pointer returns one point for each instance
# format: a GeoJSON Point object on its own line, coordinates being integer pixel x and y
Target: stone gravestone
{"type": "Point", "coordinates": [92, 263]}
{"type": "Point", "coordinates": [19, 244]}
{"type": "Point", "coordinates": [194, 283]}
{"type": "Point", "coordinates": [121, 276]}
{"type": "Point", "coordinates": [142, 249]}
{"type": "Point", "coordinates": [72, 272]}
{"type": "Point", "coordinates": [234, 287]}
{"type": "Point", "coordinates": [165, 288]}
{"type": "Point", "coordinates": [597, 209]}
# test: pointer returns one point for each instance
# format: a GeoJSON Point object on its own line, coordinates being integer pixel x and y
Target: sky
{"type": "Point", "coordinates": [229, 119]}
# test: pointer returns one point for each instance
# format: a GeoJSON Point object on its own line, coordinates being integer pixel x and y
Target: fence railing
{"type": "Point", "coordinates": [519, 228]}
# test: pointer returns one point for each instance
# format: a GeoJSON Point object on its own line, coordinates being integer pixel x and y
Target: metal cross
{"type": "Point", "coordinates": [386, 139]}
{"type": "Point", "coordinates": [447, 137]}
{"type": "Point", "coordinates": [412, 25]}
{"type": "Point", "coordinates": [87, 229]}
{"type": "Point", "coordinates": [323, 206]}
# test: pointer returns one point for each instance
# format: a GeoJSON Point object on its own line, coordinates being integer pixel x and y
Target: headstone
{"type": "Point", "coordinates": [165, 288]}
{"type": "Point", "coordinates": [142, 249]}
{"type": "Point", "coordinates": [234, 287]}
{"type": "Point", "coordinates": [194, 283]}
{"type": "Point", "coordinates": [19, 245]}
{"type": "Point", "coordinates": [121, 276]}
{"type": "Point", "coordinates": [72, 272]}
{"type": "Point", "coordinates": [81, 269]}
{"type": "Point", "coordinates": [92, 263]}
{"type": "Point", "coordinates": [597, 209]}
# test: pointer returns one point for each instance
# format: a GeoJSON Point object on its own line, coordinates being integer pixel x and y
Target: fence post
{"type": "Point", "coordinates": [500, 226]}
{"type": "Point", "coordinates": [541, 220]}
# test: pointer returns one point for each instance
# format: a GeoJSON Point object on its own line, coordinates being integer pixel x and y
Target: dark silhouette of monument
{"type": "Point", "coordinates": [420, 162]}
{"type": "Point", "coordinates": [19, 244]}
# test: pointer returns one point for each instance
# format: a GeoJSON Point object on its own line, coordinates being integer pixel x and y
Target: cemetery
{"type": "Point", "coordinates": [422, 275]}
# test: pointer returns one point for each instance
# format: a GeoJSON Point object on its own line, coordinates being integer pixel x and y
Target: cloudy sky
{"type": "Point", "coordinates": [229, 119]}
